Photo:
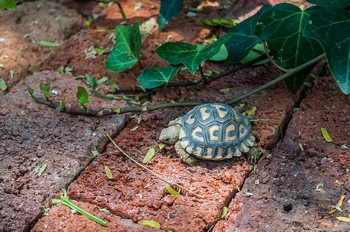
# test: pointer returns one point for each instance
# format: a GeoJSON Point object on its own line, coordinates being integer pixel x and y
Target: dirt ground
{"type": "Point", "coordinates": [293, 187]}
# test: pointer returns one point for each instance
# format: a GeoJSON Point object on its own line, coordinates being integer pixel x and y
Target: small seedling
{"type": "Point", "coordinates": [64, 200]}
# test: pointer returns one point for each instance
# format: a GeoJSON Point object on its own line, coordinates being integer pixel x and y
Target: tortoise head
{"type": "Point", "coordinates": [170, 135]}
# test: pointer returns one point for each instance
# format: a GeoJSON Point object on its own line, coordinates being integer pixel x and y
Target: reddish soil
{"type": "Point", "coordinates": [288, 189]}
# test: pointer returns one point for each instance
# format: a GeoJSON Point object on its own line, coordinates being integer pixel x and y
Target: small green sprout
{"type": "Point", "coordinates": [64, 200]}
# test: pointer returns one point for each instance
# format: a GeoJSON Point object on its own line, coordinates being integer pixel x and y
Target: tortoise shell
{"type": "Point", "coordinates": [215, 131]}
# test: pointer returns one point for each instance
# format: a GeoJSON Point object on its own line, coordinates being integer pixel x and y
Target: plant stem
{"type": "Point", "coordinates": [121, 10]}
{"type": "Point", "coordinates": [137, 108]}
{"type": "Point", "coordinates": [278, 79]}
{"type": "Point", "coordinates": [159, 176]}
{"type": "Point", "coordinates": [65, 201]}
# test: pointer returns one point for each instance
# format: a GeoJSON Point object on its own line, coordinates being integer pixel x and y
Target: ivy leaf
{"type": "Point", "coordinates": [45, 89]}
{"type": "Point", "coordinates": [331, 28]}
{"type": "Point", "coordinates": [243, 38]}
{"type": "Point", "coordinates": [8, 4]}
{"type": "Point", "coordinates": [153, 77]}
{"type": "Point", "coordinates": [256, 52]}
{"type": "Point", "coordinates": [82, 95]}
{"type": "Point", "coordinates": [189, 55]}
{"type": "Point", "coordinates": [337, 3]}
{"type": "Point", "coordinates": [282, 27]}
{"type": "Point", "coordinates": [150, 154]}
{"type": "Point", "coordinates": [126, 51]}
{"type": "Point", "coordinates": [168, 9]}
{"type": "Point", "coordinates": [221, 55]}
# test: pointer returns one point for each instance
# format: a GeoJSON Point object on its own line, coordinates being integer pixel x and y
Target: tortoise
{"type": "Point", "coordinates": [212, 131]}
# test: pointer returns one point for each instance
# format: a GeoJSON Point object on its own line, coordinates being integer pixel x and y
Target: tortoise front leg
{"type": "Point", "coordinates": [185, 157]}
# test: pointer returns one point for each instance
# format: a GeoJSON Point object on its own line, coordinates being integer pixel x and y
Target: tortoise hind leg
{"type": "Point", "coordinates": [185, 157]}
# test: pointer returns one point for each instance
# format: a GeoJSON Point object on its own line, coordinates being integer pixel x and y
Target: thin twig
{"type": "Point", "coordinates": [291, 72]}
{"type": "Point", "coordinates": [126, 109]}
{"type": "Point", "coordinates": [143, 108]}
{"type": "Point", "coordinates": [159, 176]}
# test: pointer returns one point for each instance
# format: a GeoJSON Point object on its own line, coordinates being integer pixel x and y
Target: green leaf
{"type": "Point", "coordinates": [337, 3]}
{"type": "Point", "coordinates": [82, 95]}
{"type": "Point", "coordinates": [150, 223]}
{"type": "Point", "coordinates": [45, 89]}
{"type": "Point", "coordinates": [189, 55]}
{"type": "Point", "coordinates": [42, 169]}
{"type": "Point", "coordinates": [326, 135]}
{"type": "Point", "coordinates": [153, 77]}
{"type": "Point", "coordinates": [65, 201]}
{"type": "Point", "coordinates": [343, 219]}
{"type": "Point", "coordinates": [108, 173]}
{"type": "Point", "coordinates": [8, 4]}
{"type": "Point", "coordinates": [331, 28]}
{"type": "Point", "coordinates": [3, 85]}
{"type": "Point", "coordinates": [228, 23]}
{"type": "Point", "coordinates": [282, 27]}
{"type": "Point", "coordinates": [150, 154]}
{"type": "Point", "coordinates": [126, 51]}
{"type": "Point", "coordinates": [60, 106]}
{"type": "Point", "coordinates": [161, 146]}
{"type": "Point", "coordinates": [91, 81]}
{"type": "Point", "coordinates": [168, 9]}
{"type": "Point", "coordinates": [256, 52]}
{"type": "Point", "coordinates": [172, 191]}
{"type": "Point", "coordinates": [30, 91]}
{"type": "Point", "coordinates": [221, 55]}
{"type": "Point", "coordinates": [102, 80]}
{"type": "Point", "coordinates": [243, 38]}
{"type": "Point", "coordinates": [48, 44]}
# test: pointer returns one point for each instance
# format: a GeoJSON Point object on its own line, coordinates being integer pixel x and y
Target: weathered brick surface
{"type": "Point", "coordinates": [32, 135]}
{"type": "Point", "coordinates": [294, 190]}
